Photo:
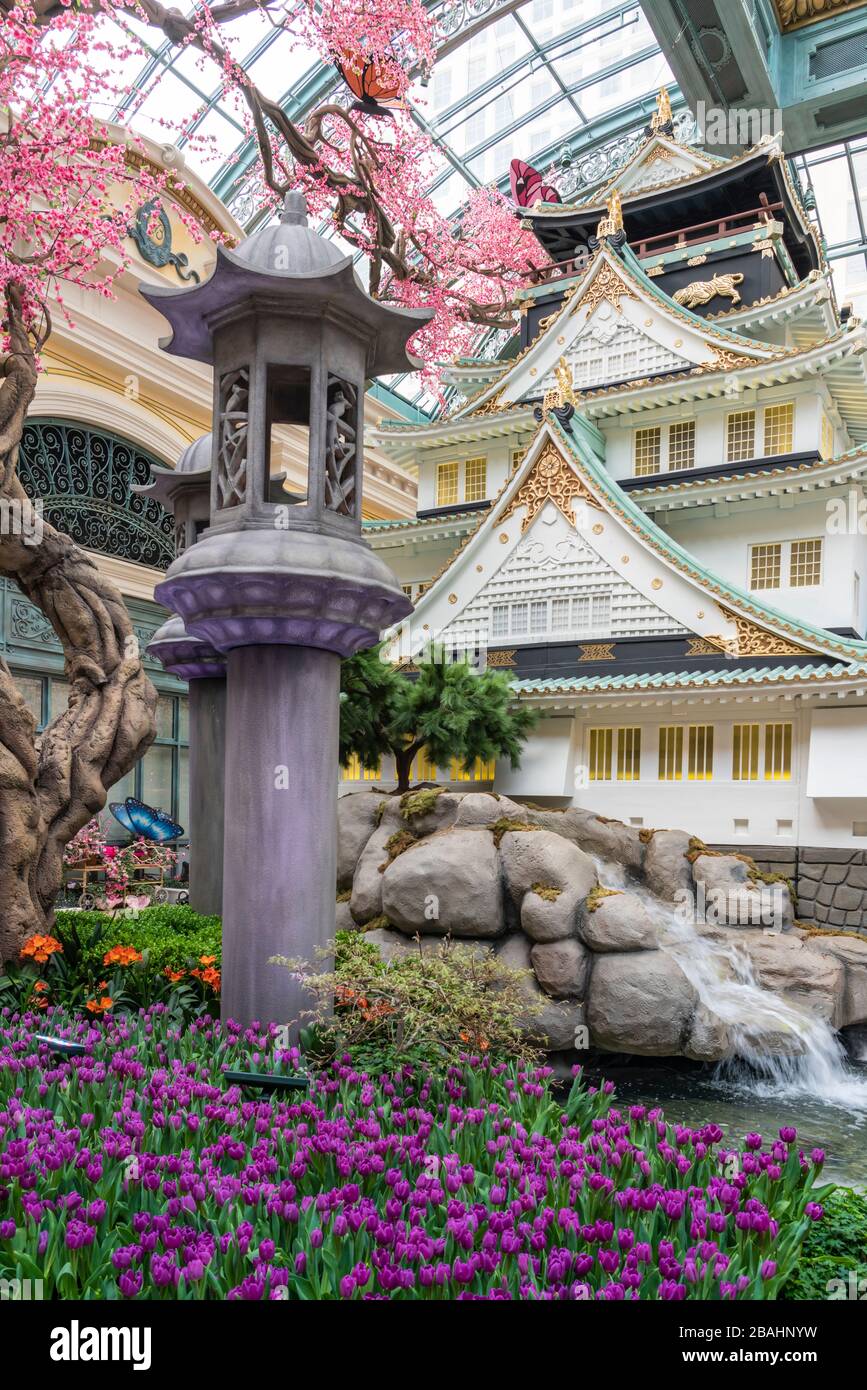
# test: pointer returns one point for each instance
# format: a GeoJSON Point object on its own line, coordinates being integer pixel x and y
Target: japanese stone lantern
{"type": "Point", "coordinates": [185, 492]}
{"type": "Point", "coordinates": [284, 588]}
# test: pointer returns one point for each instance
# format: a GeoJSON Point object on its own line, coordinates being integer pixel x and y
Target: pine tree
{"type": "Point", "coordinates": [448, 709]}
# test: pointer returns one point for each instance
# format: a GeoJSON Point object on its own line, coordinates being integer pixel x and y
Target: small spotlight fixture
{"type": "Point", "coordinates": [267, 1080]}
{"type": "Point", "coordinates": [63, 1047]}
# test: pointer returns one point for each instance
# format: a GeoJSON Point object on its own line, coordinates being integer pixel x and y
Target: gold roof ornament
{"type": "Point", "coordinates": [563, 393]}
{"type": "Point", "coordinates": [663, 114]}
{"type": "Point", "coordinates": [613, 223]}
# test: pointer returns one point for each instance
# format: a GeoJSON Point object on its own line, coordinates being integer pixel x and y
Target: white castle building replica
{"type": "Point", "coordinates": [650, 511]}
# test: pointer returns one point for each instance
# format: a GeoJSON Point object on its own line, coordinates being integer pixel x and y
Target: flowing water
{"type": "Point", "coordinates": [788, 1067]}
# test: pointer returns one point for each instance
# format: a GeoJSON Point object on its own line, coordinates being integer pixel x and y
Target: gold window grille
{"type": "Point", "coordinates": [805, 563]}
{"type": "Point", "coordinates": [628, 755]}
{"type": "Point", "coordinates": [648, 451]}
{"type": "Point", "coordinates": [700, 754]}
{"type": "Point", "coordinates": [601, 743]}
{"type": "Point", "coordinates": [741, 436]}
{"type": "Point", "coordinates": [765, 562]}
{"type": "Point", "coordinates": [681, 445]}
{"type": "Point", "coordinates": [827, 441]}
{"type": "Point", "coordinates": [745, 752]}
{"type": "Point", "coordinates": [779, 428]}
{"type": "Point", "coordinates": [475, 479]}
{"type": "Point", "coordinates": [778, 753]}
{"type": "Point", "coordinates": [671, 753]}
{"type": "Point", "coordinates": [447, 484]}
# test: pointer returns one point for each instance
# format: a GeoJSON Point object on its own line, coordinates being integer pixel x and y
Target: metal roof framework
{"type": "Point", "coordinates": [551, 81]}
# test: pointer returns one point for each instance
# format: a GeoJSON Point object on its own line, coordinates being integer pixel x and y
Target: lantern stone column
{"type": "Point", "coordinates": [185, 492]}
{"type": "Point", "coordinates": [204, 669]}
{"type": "Point", "coordinates": [282, 581]}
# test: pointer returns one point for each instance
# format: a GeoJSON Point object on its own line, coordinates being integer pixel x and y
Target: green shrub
{"type": "Point", "coordinates": [173, 935]}
{"type": "Point", "coordinates": [170, 942]}
{"type": "Point", "coordinates": [427, 1006]}
{"type": "Point", "coordinates": [835, 1249]}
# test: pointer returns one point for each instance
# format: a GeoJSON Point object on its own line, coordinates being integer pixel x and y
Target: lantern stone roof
{"type": "Point", "coordinates": [292, 265]}
{"type": "Point", "coordinates": [193, 469]}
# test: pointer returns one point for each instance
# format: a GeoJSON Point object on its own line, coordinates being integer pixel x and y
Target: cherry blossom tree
{"type": "Point", "coordinates": [64, 222]}
{"type": "Point", "coordinates": [58, 227]}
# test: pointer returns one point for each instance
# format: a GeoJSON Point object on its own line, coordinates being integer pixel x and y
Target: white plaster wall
{"type": "Point", "coordinates": [720, 538]}
{"type": "Point", "coordinates": [710, 425]}
{"type": "Point", "coordinates": [546, 762]}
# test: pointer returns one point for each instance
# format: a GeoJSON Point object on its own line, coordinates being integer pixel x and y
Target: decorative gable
{"type": "Point", "coordinates": [614, 326]}
{"type": "Point", "coordinates": [563, 553]}
{"type": "Point", "coordinates": [659, 162]}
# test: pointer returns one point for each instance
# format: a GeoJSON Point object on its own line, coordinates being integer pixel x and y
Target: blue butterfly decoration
{"type": "Point", "coordinates": [139, 819]}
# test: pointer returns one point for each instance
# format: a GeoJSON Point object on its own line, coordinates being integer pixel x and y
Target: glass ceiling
{"type": "Point", "coordinates": [541, 79]}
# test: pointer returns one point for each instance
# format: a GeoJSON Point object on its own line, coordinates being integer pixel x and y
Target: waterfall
{"type": "Point", "coordinates": [780, 1049]}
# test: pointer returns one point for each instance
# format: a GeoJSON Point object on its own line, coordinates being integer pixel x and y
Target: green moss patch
{"type": "Point", "coordinates": [397, 844]}
{"type": "Point", "coordinates": [501, 827]}
{"type": "Point", "coordinates": [421, 802]}
{"type": "Point", "coordinates": [547, 891]}
{"type": "Point", "coordinates": [597, 896]}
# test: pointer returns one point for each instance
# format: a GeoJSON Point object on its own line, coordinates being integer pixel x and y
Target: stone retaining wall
{"type": "Point", "coordinates": [831, 883]}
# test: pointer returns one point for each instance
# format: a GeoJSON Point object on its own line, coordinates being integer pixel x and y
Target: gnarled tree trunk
{"type": "Point", "coordinates": [50, 786]}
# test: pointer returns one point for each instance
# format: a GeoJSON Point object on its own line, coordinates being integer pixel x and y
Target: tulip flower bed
{"type": "Point", "coordinates": [138, 1171]}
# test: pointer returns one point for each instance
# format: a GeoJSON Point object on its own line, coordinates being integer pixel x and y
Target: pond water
{"type": "Point", "coordinates": [697, 1097]}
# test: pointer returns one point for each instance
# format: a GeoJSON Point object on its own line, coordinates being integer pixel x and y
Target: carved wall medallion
{"type": "Point", "coordinates": [597, 651]}
{"type": "Point", "coordinates": [550, 478]}
{"type": "Point", "coordinates": [152, 233]}
{"type": "Point", "coordinates": [607, 284]}
{"type": "Point", "coordinates": [501, 659]}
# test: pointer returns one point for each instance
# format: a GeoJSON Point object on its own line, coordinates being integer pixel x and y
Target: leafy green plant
{"type": "Point", "coordinates": [430, 1005]}
{"type": "Point", "coordinates": [833, 1259]}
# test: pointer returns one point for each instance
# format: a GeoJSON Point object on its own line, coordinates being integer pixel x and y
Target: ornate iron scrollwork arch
{"type": "Point", "coordinates": [84, 478]}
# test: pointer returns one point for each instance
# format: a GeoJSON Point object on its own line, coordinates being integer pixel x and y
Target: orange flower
{"type": "Point", "coordinates": [41, 986]}
{"type": "Point", "coordinates": [121, 955]}
{"type": "Point", "coordinates": [40, 947]}
{"type": "Point", "coordinates": [207, 960]}
{"type": "Point", "coordinates": [99, 1006]}
{"type": "Point", "coordinates": [213, 978]}
{"type": "Point", "coordinates": [174, 975]}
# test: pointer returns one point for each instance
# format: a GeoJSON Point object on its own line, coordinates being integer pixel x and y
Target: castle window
{"type": "Point", "coordinates": [447, 484]}
{"type": "Point", "coordinates": [539, 616]}
{"type": "Point", "coordinates": [628, 755]}
{"type": "Point", "coordinates": [519, 619]}
{"type": "Point", "coordinates": [805, 563]}
{"type": "Point", "coordinates": [741, 436]}
{"type": "Point", "coordinates": [601, 742]}
{"type": "Point", "coordinates": [779, 428]}
{"type": "Point", "coordinates": [500, 620]}
{"type": "Point", "coordinates": [475, 479]}
{"type": "Point", "coordinates": [765, 564]}
{"type": "Point", "coordinates": [778, 753]}
{"type": "Point", "coordinates": [670, 753]}
{"type": "Point", "coordinates": [648, 450]}
{"type": "Point", "coordinates": [700, 752]}
{"type": "Point", "coordinates": [681, 445]}
{"type": "Point", "coordinates": [826, 446]}
{"type": "Point", "coordinates": [745, 752]}
{"type": "Point", "coordinates": [560, 621]}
